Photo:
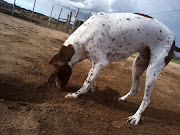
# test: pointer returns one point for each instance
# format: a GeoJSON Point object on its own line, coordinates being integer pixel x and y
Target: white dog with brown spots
{"type": "Point", "coordinates": [105, 38]}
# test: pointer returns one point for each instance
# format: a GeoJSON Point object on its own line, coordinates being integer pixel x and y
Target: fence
{"type": "Point", "coordinates": [66, 26]}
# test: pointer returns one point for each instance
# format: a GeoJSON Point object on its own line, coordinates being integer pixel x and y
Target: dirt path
{"type": "Point", "coordinates": [28, 106]}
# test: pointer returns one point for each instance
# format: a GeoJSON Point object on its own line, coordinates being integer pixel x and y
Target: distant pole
{"type": "Point", "coordinates": [75, 21]}
{"type": "Point", "coordinates": [33, 10]}
{"type": "Point", "coordinates": [88, 16]}
{"type": "Point", "coordinates": [13, 7]}
{"type": "Point", "coordinates": [58, 18]}
{"type": "Point", "coordinates": [50, 15]}
{"type": "Point", "coordinates": [68, 22]}
{"type": "Point", "coordinates": [78, 22]}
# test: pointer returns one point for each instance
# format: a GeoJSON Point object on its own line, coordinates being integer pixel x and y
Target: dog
{"type": "Point", "coordinates": [105, 38]}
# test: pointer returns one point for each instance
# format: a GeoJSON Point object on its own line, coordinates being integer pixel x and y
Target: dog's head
{"type": "Point", "coordinates": [61, 71]}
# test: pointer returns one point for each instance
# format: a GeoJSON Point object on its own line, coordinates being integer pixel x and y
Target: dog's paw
{"type": "Point", "coordinates": [133, 120]}
{"type": "Point", "coordinates": [71, 96]}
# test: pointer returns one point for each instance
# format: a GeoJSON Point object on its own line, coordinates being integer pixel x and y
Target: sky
{"type": "Point", "coordinates": [155, 8]}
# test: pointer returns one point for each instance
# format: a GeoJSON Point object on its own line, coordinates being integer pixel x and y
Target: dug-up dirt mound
{"type": "Point", "coordinates": [29, 106]}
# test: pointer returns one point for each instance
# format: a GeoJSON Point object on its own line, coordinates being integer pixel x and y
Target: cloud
{"type": "Point", "coordinates": [90, 5]}
{"type": "Point", "coordinates": [107, 6]}
{"type": "Point", "coordinates": [123, 6]}
{"type": "Point", "coordinates": [151, 7]}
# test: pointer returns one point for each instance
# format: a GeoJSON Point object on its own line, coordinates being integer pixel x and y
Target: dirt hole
{"type": "Point", "coordinates": [19, 90]}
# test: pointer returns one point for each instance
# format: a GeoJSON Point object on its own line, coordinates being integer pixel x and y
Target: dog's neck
{"type": "Point", "coordinates": [78, 56]}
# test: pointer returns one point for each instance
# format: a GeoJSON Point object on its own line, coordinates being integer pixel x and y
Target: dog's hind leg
{"type": "Point", "coordinates": [151, 76]}
{"type": "Point", "coordinates": [157, 63]}
{"type": "Point", "coordinates": [139, 66]}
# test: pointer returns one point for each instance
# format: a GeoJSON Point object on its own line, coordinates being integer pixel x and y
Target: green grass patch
{"type": "Point", "coordinates": [175, 59]}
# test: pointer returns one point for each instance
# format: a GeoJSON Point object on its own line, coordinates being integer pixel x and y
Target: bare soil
{"type": "Point", "coordinates": [29, 106]}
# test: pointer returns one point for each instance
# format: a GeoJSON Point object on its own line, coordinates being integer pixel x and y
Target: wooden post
{"type": "Point", "coordinates": [75, 21]}
{"type": "Point", "coordinates": [13, 7]}
{"type": "Point", "coordinates": [58, 18]}
{"type": "Point", "coordinates": [88, 16]}
{"type": "Point", "coordinates": [50, 16]}
{"type": "Point", "coordinates": [68, 22]}
{"type": "Point", "coordinates": [33, 10]}
{"type": "Point", "coordinates": [78, 22]}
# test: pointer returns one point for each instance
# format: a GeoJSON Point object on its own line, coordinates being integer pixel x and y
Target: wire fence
{"type": "Point", "coordinates": [54, 15]}
{"type": "Point", "coordinates": [68, 19]}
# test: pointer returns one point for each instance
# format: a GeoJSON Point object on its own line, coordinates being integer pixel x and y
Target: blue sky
{"type": "Point", "coordinates": [150, 7]}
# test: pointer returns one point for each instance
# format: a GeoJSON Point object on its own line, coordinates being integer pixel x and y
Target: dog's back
{"type": "Point", "coordinates": [121, 34]}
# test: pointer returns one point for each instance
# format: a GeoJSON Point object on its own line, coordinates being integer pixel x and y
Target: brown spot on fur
{"type": "Point", "coordinates": [169, 56]}
{"type": "Point", "coordinates": [159, 39]}
{"type": "Point", "coordinates": [144, 15]}
{"type": "Point", "coordinates": [66, 53]}
{"type": "Point", "coordinates": [61, 70]}
{"type": "Point", "coordinates": [63, 74]}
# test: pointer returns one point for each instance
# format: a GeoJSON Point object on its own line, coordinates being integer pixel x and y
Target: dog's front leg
{"type": "Point", "coordinates": [92, 75]}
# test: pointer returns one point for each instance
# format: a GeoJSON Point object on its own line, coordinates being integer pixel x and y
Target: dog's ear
{"type": "Point", "coordinates": [53, 59]}
{"type": "Point", "coordinates": [66, 53]}
{"type": "Point", "coordinates": [52, 78]}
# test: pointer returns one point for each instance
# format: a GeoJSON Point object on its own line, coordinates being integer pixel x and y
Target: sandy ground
{"type": "Point", "coordinates": [29, 106]}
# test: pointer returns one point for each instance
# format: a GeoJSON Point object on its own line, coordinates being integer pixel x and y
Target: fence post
{"type": "Point", "coordinates": [58, 18]}
{"type": "Point", "coordinates": [50, 15]}
{"type": "Point", "coordinates": [13, 7]}
{"type": "Point", "coordinates": [75, 21]}
{"type": "Point", "coordinates": [79, 21]}
{"type": "Point", "coordinates": [88, 15]}
{"type": "Point", "coordinates": [33, 10]}
{"type": "Point", "coordinates": [68, 22]}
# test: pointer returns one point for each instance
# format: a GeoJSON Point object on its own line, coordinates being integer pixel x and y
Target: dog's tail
{"type": "Point", "coordinates": [176, 49]}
